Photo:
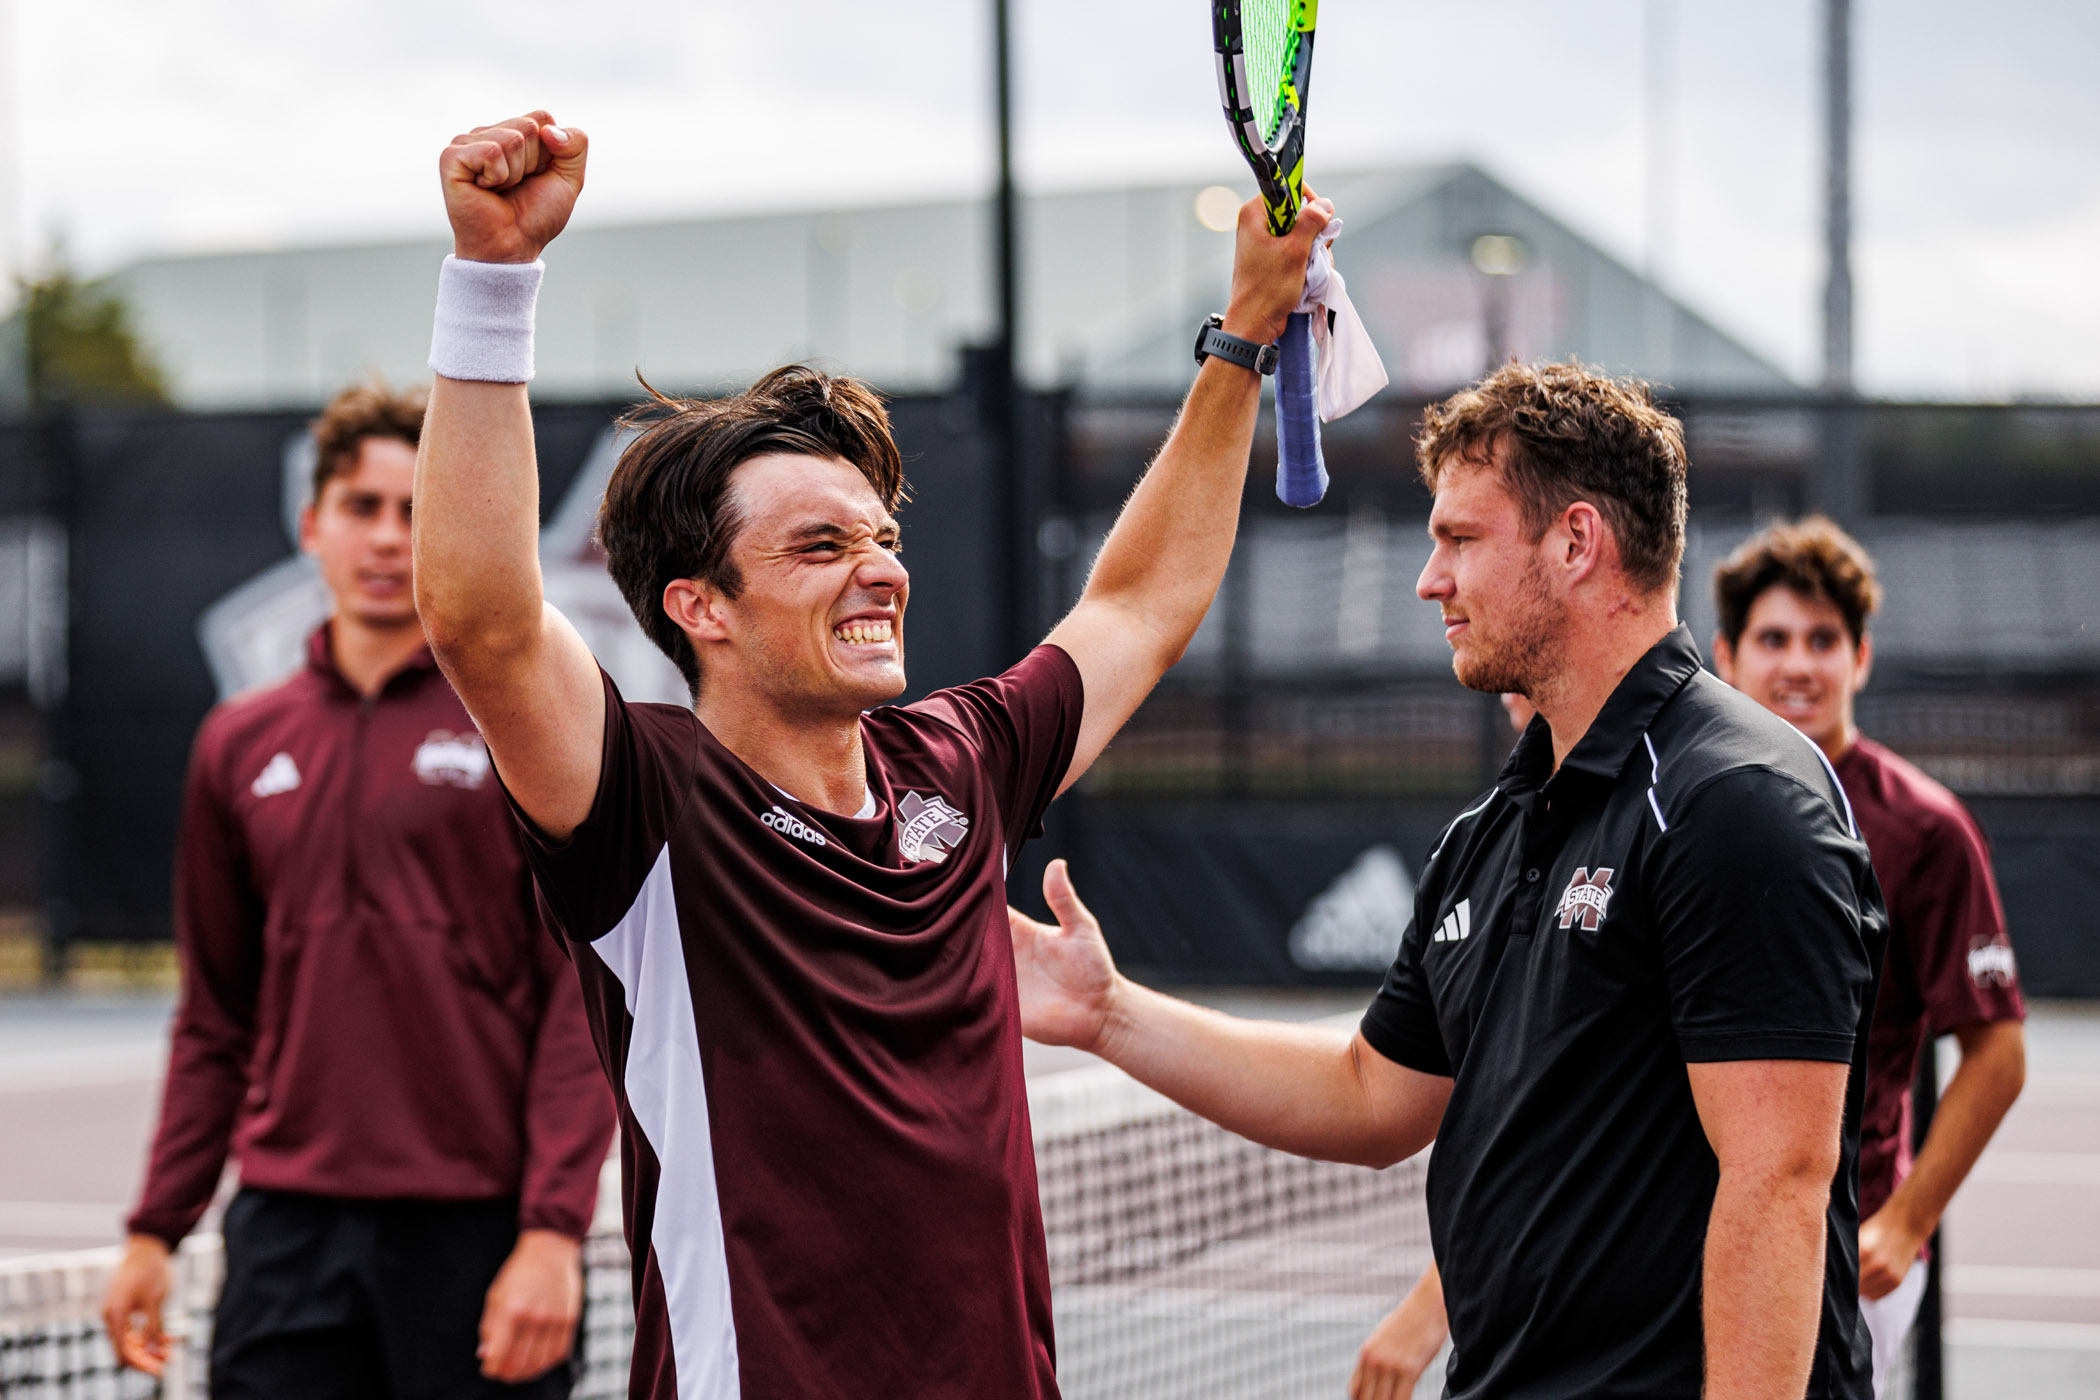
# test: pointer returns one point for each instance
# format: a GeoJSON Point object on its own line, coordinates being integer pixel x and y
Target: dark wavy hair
{"type": "Point", "coordinates": [1810, 556]}
{"type": "Point", "coordinates": [1570, 433]}
{"type": "Point", "coordinates": [368, 410]}
{"type": "Point", "coordinates": [668, 511]}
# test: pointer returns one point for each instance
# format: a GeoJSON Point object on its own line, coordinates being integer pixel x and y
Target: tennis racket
{"type": "Point", "coordinates": [1264, 50]}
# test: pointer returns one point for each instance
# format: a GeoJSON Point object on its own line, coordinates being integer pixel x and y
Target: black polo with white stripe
{"type": "Point", "coordinates": [1688, 887]}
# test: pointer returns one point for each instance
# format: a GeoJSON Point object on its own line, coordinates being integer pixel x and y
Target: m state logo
{"type": "Point", "coordinates": [1585, 898]}
{"type": "Point", "coordinates": [446, 759]}
{"type": "Point", "coordinates": [1991, 964]}
{"type": "Point", "coordinates": [928, 828]}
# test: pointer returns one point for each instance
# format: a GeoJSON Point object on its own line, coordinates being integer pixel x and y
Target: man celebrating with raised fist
{"type": "Point", "coordinates": [786, 902]}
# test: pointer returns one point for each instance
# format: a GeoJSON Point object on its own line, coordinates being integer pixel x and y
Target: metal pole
{"type": "Point", "coordinates": [15, 387]}
{"type": "Point", "coordinates": [1840, 489]}
{"type": "Point", "coordinates": [1660, 119]}
{"type": "Point", "coordinates": [1015, 551]}
{"type": "Point", "coordinates": [1837, 195]}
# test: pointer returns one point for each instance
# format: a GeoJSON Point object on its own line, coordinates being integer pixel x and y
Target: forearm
{"type": "Point", "coordinates": [1428, 1295]}
{"type": "Point", "coordinates": [1162, 563]}
{"type": "Point", "coordinates": [1993, 1070]}
{"type": "Point", "coordinates": [1763, 1285]}
{"type": "Point", "coordinates": [477, 573]}
{"type": "Point", "coordinates": [219, 923]}
{"type": "Point", "coordinates": [1297, 1088]}
{"type": "Point", "coordinates": [199, 1105]}
{"type": "Point", "coordinates": [568, 1117]}
{"type": "Point", "coordinates": [565, 1151]}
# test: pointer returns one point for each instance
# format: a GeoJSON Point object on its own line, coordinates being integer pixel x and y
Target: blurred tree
{"type": "Point", "coordinates": [80, 344]}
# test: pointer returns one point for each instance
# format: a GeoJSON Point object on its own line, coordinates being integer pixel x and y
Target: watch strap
{"type": "Point", "coordinates": [1212, 339]}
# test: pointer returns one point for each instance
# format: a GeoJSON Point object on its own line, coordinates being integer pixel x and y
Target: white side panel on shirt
{"type": "Point", "coordinates": [669, 1102]}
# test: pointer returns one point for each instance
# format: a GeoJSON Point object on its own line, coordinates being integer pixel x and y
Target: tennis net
{"type": "Point", "coordinates": [1184, 1262]}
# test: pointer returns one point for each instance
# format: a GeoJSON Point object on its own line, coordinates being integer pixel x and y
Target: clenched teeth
{"type": "Point", "coordinates": [863, 631]}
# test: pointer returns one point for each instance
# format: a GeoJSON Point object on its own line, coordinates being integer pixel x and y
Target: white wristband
{"type": "Point", "coordinates": [484, 320]}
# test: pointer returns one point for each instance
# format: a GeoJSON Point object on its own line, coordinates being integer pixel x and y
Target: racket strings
{"type": "Point", "coordinates": [1270, 42]}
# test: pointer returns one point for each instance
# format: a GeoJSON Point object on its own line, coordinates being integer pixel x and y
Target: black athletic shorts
{"type": "Point", "coordinates": [331, 1299]}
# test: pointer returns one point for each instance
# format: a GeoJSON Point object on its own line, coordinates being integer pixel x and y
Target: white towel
{"type": "Point", "coordinates": [1350, 370]}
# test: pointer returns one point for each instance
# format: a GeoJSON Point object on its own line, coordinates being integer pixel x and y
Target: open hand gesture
{"type": "Point", "coordinates": [1067, 979]}
{"type": "Point", "coordinates": [510, 188]}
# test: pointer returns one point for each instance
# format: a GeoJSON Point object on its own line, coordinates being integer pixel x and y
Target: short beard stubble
{"type": "Point", "coordinates": [1523, 652]}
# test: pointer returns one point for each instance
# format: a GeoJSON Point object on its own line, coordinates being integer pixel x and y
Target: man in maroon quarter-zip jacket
{"type": "Point", "coordinates": [372, 1019]}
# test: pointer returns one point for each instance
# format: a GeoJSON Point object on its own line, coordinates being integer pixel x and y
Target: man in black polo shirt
{"type": "Point", "coordinates": [1631, 1006]}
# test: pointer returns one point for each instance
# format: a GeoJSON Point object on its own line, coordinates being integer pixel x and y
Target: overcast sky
{"type": "Point", "coordinates": [149, 126]}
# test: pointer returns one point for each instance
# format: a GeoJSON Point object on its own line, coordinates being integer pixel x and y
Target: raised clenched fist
{"type": "Point", "coordinates": [510, 188]}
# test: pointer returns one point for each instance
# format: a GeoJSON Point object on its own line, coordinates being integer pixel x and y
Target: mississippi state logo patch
{"type": "Point", "coordinates": [928, 828]}
{"type": "Point", "coordinates": [446, 759]}
{"type": "Point", "coordinates": [1991, 965]}
{"type": "Point", "coordinates": [1585, 898]}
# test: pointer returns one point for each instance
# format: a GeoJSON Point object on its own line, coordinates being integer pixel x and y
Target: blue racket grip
{"type": "Point", "coordinates": [1301, 468]}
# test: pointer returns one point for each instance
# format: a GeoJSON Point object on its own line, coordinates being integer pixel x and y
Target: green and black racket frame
{"type": "Point", "coordinates": [1264, 50]}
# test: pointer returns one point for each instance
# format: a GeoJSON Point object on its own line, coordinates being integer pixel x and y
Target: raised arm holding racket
{"type": "Point", "coordinates": [784, 901]}
{"type": "Point", "coordinates": [1264, 53]}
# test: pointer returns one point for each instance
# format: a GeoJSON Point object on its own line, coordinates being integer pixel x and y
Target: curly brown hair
{"type": "Point", "coordinates": [368, 410]}
{"type": "Point", "coordinates": [1810, 556]}
{"type": "Point", "coordinates": [1563, 433]}
{"type": "Point", "coordinates": [668, 513]}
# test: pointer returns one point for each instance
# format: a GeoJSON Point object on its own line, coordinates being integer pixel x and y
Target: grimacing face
{"type": "Point", "coordinates": [1797, 658]}
{"type": "Point", "coordinates": [820, 618]}
{"type": "Point", "coordinates": [358, 534]}
{"type": "Point", "coordinates": [1489, 581]}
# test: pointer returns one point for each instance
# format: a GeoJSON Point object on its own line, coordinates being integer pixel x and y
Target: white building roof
{"type": "Point", "coordinates": [1114, 282]}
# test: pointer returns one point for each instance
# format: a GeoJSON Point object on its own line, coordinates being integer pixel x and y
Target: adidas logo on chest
{"type": "Point", "coordinates": [788, 824]}
{"type": "Point", "coordinates": [280, 775]}
{"type": "Point", "coordinates": [1457, 926]}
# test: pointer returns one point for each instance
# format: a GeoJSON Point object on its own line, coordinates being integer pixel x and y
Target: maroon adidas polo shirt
{"type": "Point", "coordinates": [1948, 960]}
{"type": "Point", "coordinates": [371, 1008]}
{"type": "Point", "coordinates": [810, 1022]}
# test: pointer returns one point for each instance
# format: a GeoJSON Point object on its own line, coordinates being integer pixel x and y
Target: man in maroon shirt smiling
{"type": "Point", "coordinates": [787, 902]}
{"type": "Point", "coordinates": [1794, 602]}
{"type": "Point", "coordinates": [373, 1019]}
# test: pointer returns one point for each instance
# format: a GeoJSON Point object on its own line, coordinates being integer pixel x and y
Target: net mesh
{"type": "Point", "coordinates": [1184, 1262]}
{"type": "Point", "coordinates": [1265, 35]}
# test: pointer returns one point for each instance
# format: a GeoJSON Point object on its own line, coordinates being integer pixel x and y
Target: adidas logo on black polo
{"type": "Point", "coordinates": [1457, 925]}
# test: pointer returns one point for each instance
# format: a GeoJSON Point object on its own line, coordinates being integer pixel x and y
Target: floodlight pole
{"type": "Point", "coordinates": [1837, 196]}
{"type": "Point", "coordinates": [1840, 488]}
{"type": "Point", "coordinates": [1002, 392]}
{"type": "Point", "coordinates": [15, 377]}
{"type": "Point", "coordinates": [1659, 118]}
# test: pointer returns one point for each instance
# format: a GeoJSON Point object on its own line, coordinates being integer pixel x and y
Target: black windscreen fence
{"type": "Point", "coordinates": [1262, 817]}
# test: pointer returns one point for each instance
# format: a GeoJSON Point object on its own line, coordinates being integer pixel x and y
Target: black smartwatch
{"type": "Point", "coordinates": [1212, 340]}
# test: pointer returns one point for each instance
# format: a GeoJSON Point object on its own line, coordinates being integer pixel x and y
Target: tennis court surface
{"type": "Point", "coordinates": [1185, 1262]}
